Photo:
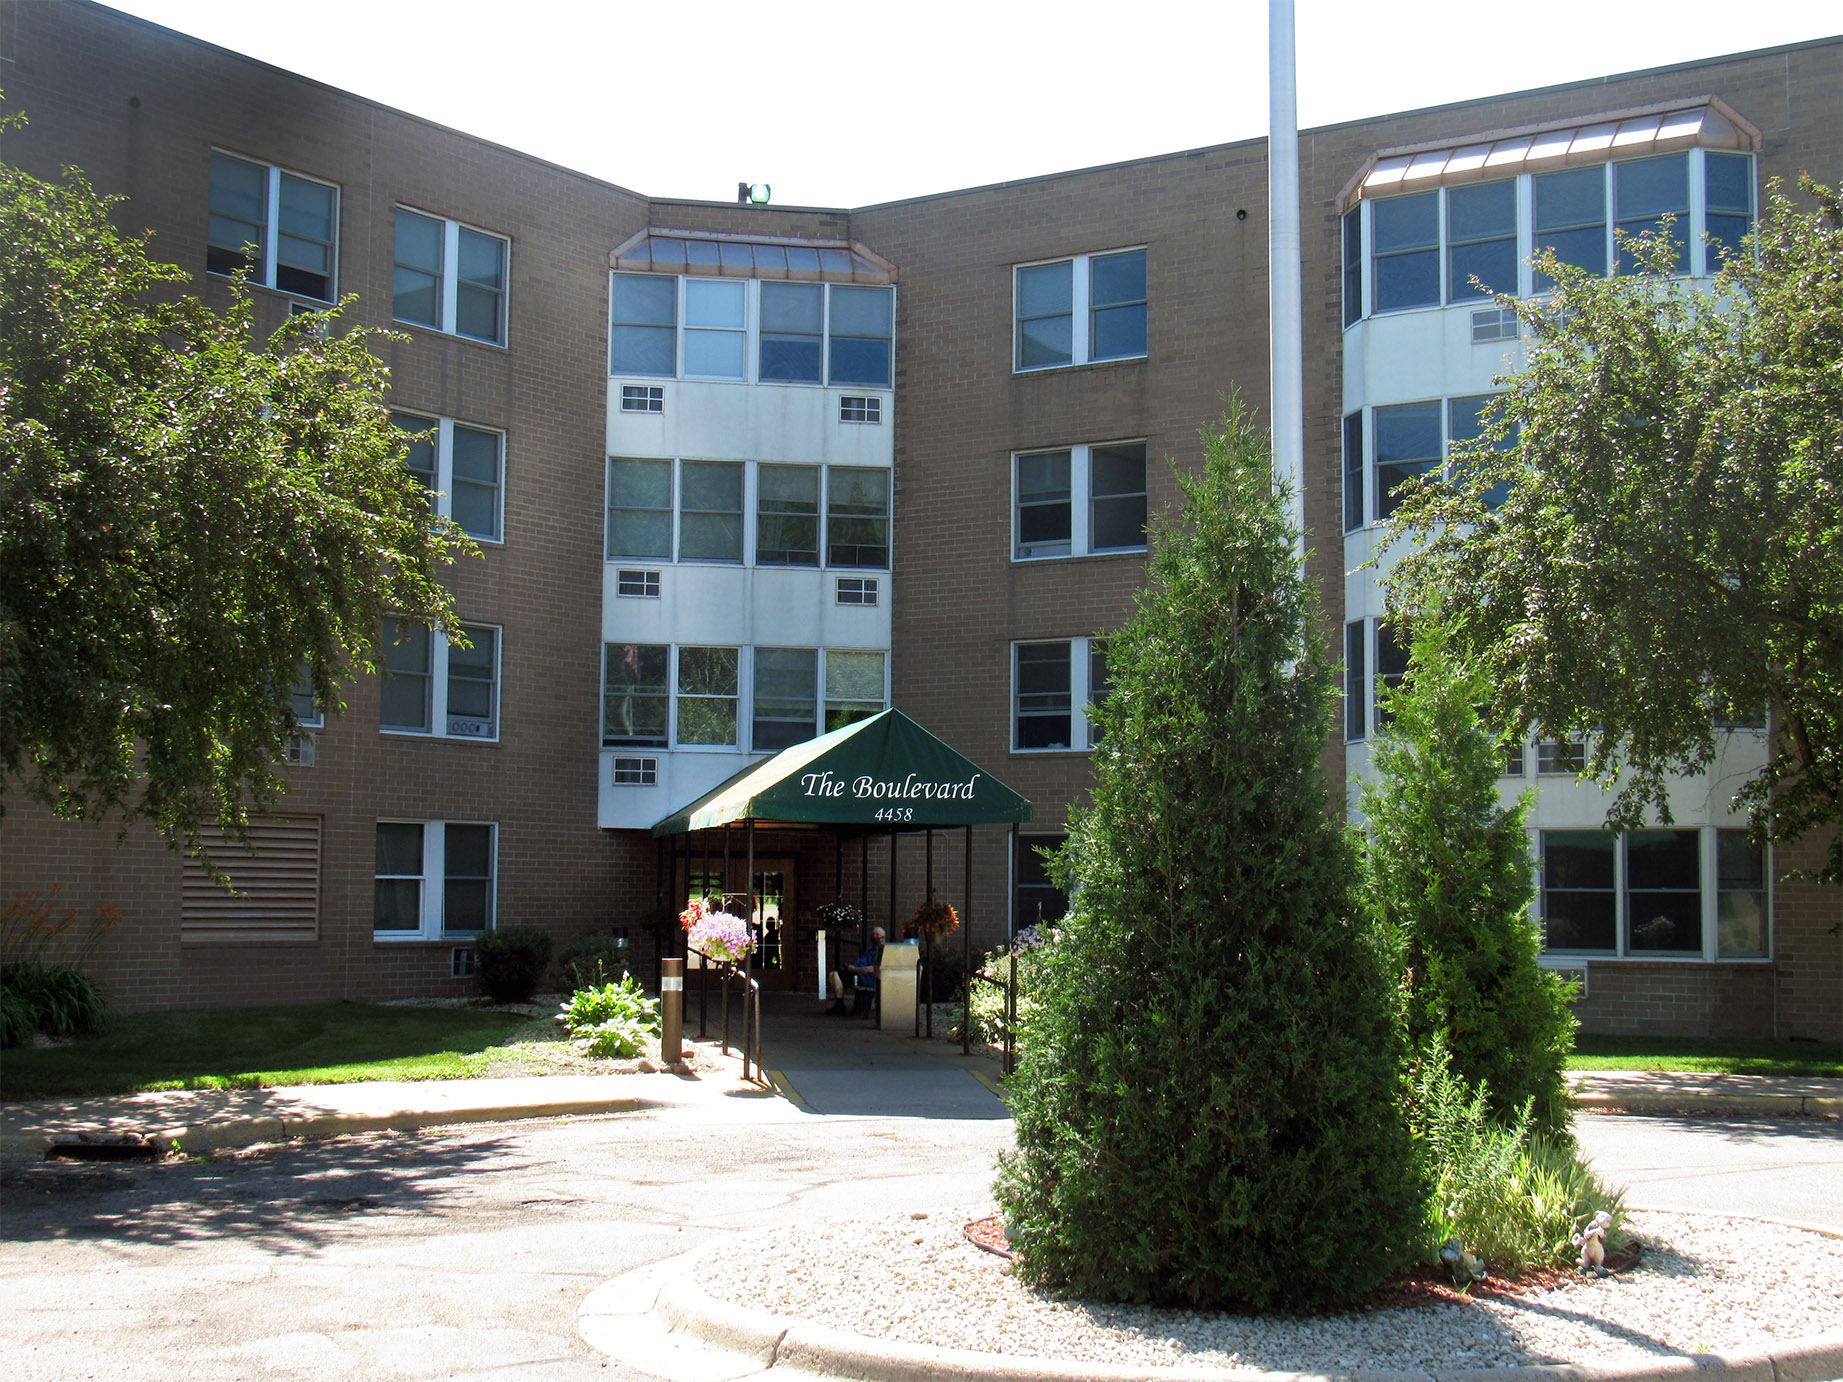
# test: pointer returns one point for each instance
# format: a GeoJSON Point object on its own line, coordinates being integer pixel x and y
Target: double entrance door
{"type": "Point", "coordinates": [771, 918]}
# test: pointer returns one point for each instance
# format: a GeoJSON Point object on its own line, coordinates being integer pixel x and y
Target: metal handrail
{"type": "Point", "coordinates": [1008, 1027]}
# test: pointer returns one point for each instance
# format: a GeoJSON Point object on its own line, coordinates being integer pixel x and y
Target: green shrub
{"type": "Point", "coordinates": [58, 1000]}
{"type": "Point", "coordinates": [1205, 1109]}
{"type": "Point", "coordinates": [1447, 875]}
{"type": "Point", "coordinates": [614, 1019]}
{"type": "Point", "coordinates": [509, 962]}
{"type": "Point", "coordinates": [1514, 1198]}
{"type": "Point", "coordinates": [591, 961]}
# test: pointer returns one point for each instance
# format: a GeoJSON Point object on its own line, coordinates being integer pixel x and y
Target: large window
{"type": "Point", "coordinates": [721, 510]}
{"type": "Point", "coordinates": [434, 879]}
{"type": "Point", "coordinates": [1406, 441]}
{"type": "Point", "coordinates": [755, 332]}
{"type": "Point", "coordinates": [662, 696]}
{"type": "Point", "coordinates": [1424, 249]}
{"type": "Point", "coordinates": [1053, 684]}
{"type": "Point", "coordinates": [1079, 500]}
{"type": "Point", "coordinates": [1035, 898]}
{"type": "Point", "coordinates": [280, 227]}
{"type": "Point", "coordinates": [1654, 894]}
{"type": "Point", "coordinates": [1375, 659]}
{"type": "Point", "coordinates": [432, 686]}
{"type": "Point", "coordinates": [1075, 311]}
{"type": "Point", "coordinates": [450, 277]}
{"type": "Point", "coordinates": [462, 469]}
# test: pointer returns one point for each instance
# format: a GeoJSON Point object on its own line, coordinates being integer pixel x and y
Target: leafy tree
{"type": "Point", "coordinates": [1204, 1110]}
{"type": "Point", "coordinates": [190, 520]}
{"type": "Point", "coordinates": [1669, 555]}
{"type": "Point", "coordinates": [1447, 874]}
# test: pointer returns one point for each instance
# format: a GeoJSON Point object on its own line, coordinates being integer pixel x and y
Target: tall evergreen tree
{"type": "Point", "coordinates": [1204, 1114]}
{"type": "Point", "coordinates": [1447, 874]}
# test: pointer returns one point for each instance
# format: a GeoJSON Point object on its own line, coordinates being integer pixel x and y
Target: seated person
{"type": "Point", "coordinates": [863, 969]}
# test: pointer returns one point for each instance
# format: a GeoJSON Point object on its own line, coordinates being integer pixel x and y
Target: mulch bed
{"type": "Point", "coordinates": [1413, 1287]}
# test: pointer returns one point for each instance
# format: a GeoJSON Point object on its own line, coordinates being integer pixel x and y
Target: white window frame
{"type": "Point", "coordinates": [1359, 444]}
{"type": "Point", "coordinates": [1081, 501]}
{"type": "Point", "coordinates": [1081, 693]}
{"type": "Point", "coordinates": [1081, 302]}
{"type": "Point", "coordinates": [744, 698]}
{"type": "Point", "coordinates": [441, 498]}
{"type": "Point", "coordinates": [1701, 259]}
{"type": "Point", "coordinates": [1708, 853]}
{"type": "Point", "coordinates": [450, 279]}
{"type": "Point", "coordinates": [271, 230]}
{"type": "Point", "coordinates": [1368, 682]}
{"type": "Point", "coordinates": [437, 702]}
{"type": "Point", "coordinates": [751, 516]}
{"type": "Point", "coordinates": [430, 901]}
{"type": "Point", "coordinates": [752, 334]}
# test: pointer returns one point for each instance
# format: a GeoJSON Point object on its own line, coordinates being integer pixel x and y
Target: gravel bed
{"type": "Point", "coordinates": [1706, 1283]}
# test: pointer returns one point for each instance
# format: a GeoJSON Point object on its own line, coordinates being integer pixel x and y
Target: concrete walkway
{"type": "Point", "coordinates": [820, 1066]}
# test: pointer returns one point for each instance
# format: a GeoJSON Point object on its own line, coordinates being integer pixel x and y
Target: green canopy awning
{"type": "Point", "coordinates": [882, 772]}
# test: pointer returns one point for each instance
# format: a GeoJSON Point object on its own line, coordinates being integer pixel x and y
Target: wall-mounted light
{"type": "Point", "coordinates": [756, 193]}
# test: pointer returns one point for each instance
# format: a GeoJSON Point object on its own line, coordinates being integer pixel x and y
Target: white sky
{"type": "Point", "coordinates": [852, 104]}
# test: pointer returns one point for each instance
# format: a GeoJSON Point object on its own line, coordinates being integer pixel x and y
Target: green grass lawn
{"type": "Point", "coordinates": [1792, 1058]}
{"type": "Point", "coordinates": [257, 1047]}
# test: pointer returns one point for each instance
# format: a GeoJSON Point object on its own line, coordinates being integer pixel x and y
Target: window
{"type": "Point", "coordinates": [642, 398]}
{"type": "Point", "coordinates": [854, 687]}
{"type": "Point", "coordinates": [450, 277]}
{"type": "Point", "coordinates": [1559, 756]}
{"type": "Point", "coordinates": [1405, 235]}
{"type": "Point", "coordinates": [636, 772]}
{"type": "Point", "coordinates": [307, 712]}
{"type": "Point", "coordinates": [1644, 192]}
{"type": "Point", "coordinates": [710, 511]}
{"type": "Point", "coordinates": [1052, 687]}
{"type": "Point", "coordinates": [639, 508]}
{"type": "Point", "coordinates": [1353, 471]}
{"type": "Point", "coordinates": [1408, 440]}
{"type": "Point", "coordinates": [802, 333]}
{"type": "Point", "coordinates": [461, 468]}
{"type": "Point", "coordinates": [707, 686]}
{"type": "Point", "coordinates": [857, 590]}
{"type": "Point", "coordinates": [1513, 761]}
{"type": "Point", "coordinates": [786, 697]}
{"type": "Point", "coordinates": [634, 695]}
{"type": "Point", "coordinates": [1740, 909]}
{"type": "Point", "coordinates": [425, 673]}
{"type": "Point", "coordinates": [787, 515]}
{"type": "Point", "coordinates": [1083, 500]}
{"type": "Point", "coordinates": [1481, 240]}
{"type": "Point", "coordinates": [280, 227]}
{"type": "Point", "coordinates": [1036, 900]}
{"type": "Point", "coordinates": [855, 409]}
{"type": "Point", "coordinates": [1570, 218]}
{"type": "Point", "coordinates": [1423, 249]}
{"type": "Point", "coordinates": [1408, 444]}
{"type": "Point", "coordinates": [1654, 894]}
{"type": "Point", "coordinates": [1356, 680]}
{"type": "Point", "coordinates": [1368, 672]}
{"type": "Point", "coordinates": [637, 585]}
{"type": "Point", "coordinates": [1081, 310]}
{"type": "Point", "coordinates": [857, 517]}
{"type": "Point", "coordinates": [433, 879]}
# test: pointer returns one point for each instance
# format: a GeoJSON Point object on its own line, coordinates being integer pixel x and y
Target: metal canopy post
{"type": "Point", "coordinates": [966, 947]}
{"type": "Point", "coordinates": [927, 943]}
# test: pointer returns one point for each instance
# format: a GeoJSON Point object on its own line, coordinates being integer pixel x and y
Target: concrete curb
{"type": "Point", "coordinates": [219, 1133]}
{"type": "Point", "coordinates": [1709, 1105]}
{"type": "Point", "coordinates": [738, 1343]}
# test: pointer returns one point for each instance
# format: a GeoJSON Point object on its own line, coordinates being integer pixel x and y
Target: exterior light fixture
{"type": "Point", "coordinates": [756, 193]}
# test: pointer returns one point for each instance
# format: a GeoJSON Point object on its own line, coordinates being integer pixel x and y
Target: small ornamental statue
{"type": "Point", "coordinates": [934, 920]}
{"type": "Point", "coordinates": [1592, 1243]}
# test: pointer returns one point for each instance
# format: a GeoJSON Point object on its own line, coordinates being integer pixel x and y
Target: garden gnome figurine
{"type": "Point", "coordinates": [1592, 1243]}
{"type": "Point", "coordinates": [1463, 1265]}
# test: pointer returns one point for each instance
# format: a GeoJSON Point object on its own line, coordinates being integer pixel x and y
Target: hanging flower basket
{"type": "Point", "coordinates": [721, 936]}
{"type": "Point", "coordinates": [698, 909]}
{"type": "Point", "coordinates": [935, 920]}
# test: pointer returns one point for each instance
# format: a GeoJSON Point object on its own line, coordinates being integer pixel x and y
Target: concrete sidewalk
{"type": "Point", "coordinates": [1704, 1095]}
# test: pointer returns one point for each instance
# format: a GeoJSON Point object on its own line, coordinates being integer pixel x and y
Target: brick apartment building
{"type": "Point", "coordinates": [744, 473]}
